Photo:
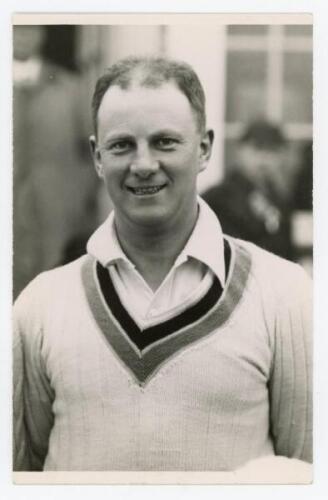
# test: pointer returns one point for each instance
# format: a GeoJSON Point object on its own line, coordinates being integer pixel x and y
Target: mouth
{"type": "Point", "coordinates": [146, 190]}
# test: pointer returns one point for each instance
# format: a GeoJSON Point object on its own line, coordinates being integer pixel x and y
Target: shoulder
{"type": "Point", "coordinates": [279, 292]}
{"type": "Point", "coordinates": [49, 288]}
{"type": "Point", "coordinates": [275, 275]}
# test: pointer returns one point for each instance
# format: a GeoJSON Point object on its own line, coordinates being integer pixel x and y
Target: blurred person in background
{"type": "Point", "coordinates": [54, 188]}
{"type": "Point", "coordinates": [253, 201]}
{"type": "Point", "coordinates": [304, 179]}
{"type": "Point", "coordinates": [302, 220]}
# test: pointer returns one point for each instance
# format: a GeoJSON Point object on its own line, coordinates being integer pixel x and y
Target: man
{"type": "Point", "coordinates": [253, 201]}
{"type": "Point", "coordinates": [168, 346]}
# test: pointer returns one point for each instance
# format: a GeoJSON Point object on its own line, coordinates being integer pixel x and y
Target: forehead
{"type": "Point", "coordinates": [164, 105]}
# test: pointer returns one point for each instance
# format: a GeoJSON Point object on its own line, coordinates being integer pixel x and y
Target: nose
{"type": "Point", "coordinates": [144, 164]}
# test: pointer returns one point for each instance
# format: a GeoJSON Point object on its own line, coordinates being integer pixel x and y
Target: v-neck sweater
{"type": "Point", "coordinates": [225, 381]}
{"type": "Point", "coordinates": [192, 272]}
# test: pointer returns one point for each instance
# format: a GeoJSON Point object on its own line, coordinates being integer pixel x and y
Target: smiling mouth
{"type": "Point", "coordinates": [145, 190]}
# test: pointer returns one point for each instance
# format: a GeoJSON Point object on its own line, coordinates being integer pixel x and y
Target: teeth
{"type": "Point", "coordinates": [147, 190]}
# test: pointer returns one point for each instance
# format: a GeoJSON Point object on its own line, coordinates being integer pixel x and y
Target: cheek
{"type": "Point", "coordinates": [112, 179]}
{"type": "Point", "coordinates": [192, 168]}
{"type": "Point", "coordinates": [114, 168]}
{"type": "Point", "coordinates": [187, 164]}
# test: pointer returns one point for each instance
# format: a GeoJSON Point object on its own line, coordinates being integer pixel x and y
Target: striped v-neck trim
{"type": "Point", "coordinates": [145, 337]}
{"type": "Point", "coordinates": [143, 352]}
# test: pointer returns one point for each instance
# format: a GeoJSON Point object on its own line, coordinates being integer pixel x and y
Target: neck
{"type": "Point", "coordinates": [154, 250]}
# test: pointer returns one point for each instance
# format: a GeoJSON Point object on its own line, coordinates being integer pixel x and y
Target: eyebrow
{"type": "Point", "coordinates": [118, 137]}
{"type": "Point", "coordinates": [126, 136]}
{"type": "Point", "coordinates": [162, 132]}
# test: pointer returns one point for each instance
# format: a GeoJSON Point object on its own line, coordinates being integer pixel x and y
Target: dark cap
{"type": "Point", "coordinates": [263, 135]}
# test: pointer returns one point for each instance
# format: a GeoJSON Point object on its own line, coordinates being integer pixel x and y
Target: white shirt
{"type": "Point", "coordinates": [188, 280]}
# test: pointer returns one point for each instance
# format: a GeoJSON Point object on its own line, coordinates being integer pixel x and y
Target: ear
{"type": "Point", "coordinates": [96, 155]}
{"type": "Point", "coordinates": [205, 149]}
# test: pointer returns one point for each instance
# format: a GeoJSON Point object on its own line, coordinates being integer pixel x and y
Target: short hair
{"type": "Point", "coordinates": [263, 134]}
{"type": "Point", "coordinates": [152, 72]}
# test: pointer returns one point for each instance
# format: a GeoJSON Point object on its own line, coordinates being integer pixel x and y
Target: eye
{"type": "Point", "coordinates": [119, 147]}
{"type": "Point", "coordinates": [166, 143]}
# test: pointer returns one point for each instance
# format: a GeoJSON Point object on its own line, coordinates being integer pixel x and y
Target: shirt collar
{"type": "Point", "coordinates": [104, 245]}
{"type": "Point", "coordinates": [205, 243]}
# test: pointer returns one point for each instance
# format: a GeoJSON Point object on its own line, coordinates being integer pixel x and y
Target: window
{"type": "Point", "coordinates": [269, 74]}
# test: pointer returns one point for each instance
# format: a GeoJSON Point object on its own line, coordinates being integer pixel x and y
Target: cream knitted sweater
{"type": "Point", "coordinates": [226, 381]}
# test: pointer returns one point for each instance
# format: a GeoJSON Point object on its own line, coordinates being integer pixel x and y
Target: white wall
{"type": "Point", "coordinates": [123, 41]}
{"type": "Point", "coordinates": [204, 48]}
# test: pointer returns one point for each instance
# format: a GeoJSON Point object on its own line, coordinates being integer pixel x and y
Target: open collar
{"type": "Point", "coordinates": [205, 243]}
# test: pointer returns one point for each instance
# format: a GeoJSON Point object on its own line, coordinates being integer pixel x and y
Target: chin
{"type": "Point", "coordinates": [151, 221]}
{"type": "Point", "coordinates": [154, 220]}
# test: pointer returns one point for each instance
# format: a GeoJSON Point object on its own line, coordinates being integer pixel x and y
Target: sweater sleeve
{"type": "Point", "coordinates": [32, 392]}
{"type": "Point", "coordinates": [290, 383]}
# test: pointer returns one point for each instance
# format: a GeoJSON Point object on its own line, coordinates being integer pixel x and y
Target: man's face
{"type": "Point", "coordinates": [262, 165]}
{"type": "Point", "coordinates": [149, 152]}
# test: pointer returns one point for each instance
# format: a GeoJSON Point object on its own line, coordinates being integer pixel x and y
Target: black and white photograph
{"type": "Point", "coordinates": [162, 248]}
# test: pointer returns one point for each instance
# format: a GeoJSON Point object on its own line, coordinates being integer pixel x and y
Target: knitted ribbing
{"type": "Point", "coordinates": [241, 391]}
